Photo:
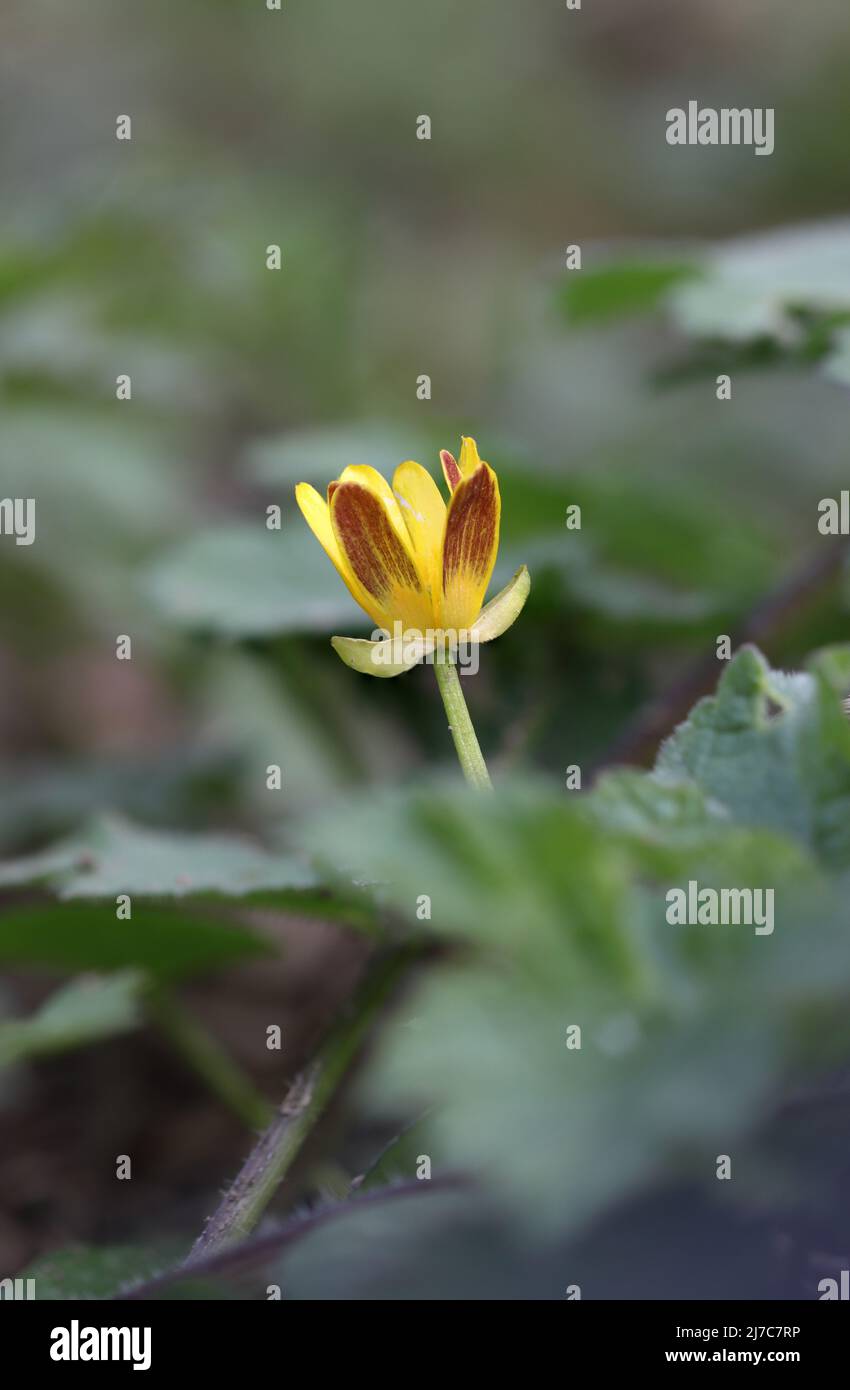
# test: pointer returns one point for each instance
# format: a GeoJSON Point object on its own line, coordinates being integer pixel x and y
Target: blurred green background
{"type": "Point", "coordinates": [400, 257]}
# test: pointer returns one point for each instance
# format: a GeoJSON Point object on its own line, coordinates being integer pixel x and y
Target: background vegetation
{"type": "Point", "coordinates": [148, 1037]}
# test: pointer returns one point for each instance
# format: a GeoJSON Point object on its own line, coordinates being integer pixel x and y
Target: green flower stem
{"type": "Point", "coordinates": [207, 1058]}
{"type": "Point", "coordinates": [460, 726]}
{"type": "Point", "coordinates": [301, 1109]}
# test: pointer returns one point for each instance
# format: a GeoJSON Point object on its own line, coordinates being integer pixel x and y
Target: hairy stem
{"type": "Point", "coordinates": [302, 1107]}
{"type": "Point", "coordinates": [233, 1262]}
{"type": "Point", "coordinates": [465, 739]}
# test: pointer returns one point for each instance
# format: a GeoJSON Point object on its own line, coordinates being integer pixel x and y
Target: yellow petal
{"type": "Point", "coordinates": [380, 562]}
{"type": "Point", "coordinates": [469, 460]}
{"type": "Point", "coordinates": [455, 470]}
{"type": "Point", "coordinates": [376, 483]}
{"type": "Point", "coordinates": [316, 513]}
{"type": "Point", "coordinates": [470, 545]}
{"type": "Point", "coordinates": [424, 513]}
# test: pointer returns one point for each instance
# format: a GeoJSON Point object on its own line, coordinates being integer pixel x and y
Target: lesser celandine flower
{"type": "Point", "coordinates": [420, 569]}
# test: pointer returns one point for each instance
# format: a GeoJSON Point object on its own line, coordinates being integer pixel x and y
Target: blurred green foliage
{"type": "Point", "coordinates": [401, 258]}
{"type": "Point", "coordinates": [553, 908]}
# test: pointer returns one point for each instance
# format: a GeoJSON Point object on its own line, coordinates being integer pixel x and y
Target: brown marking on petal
{"type": "Point", "coordinates": [471, 527]}
{"type": "Point", "coordinates": [369, 542]}
{"type": "Point", "coordinates": [450, 468]}
{"type": "Point", "coordinates": [332, 487]}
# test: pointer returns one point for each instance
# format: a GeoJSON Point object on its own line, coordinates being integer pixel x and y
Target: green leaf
{"type": "Point", "coordinates": [113, 856]}
{"type": "Point", "coordinates": [660, 558]}
{"type": "Point", "coordinates": [836, 365]}
{"type": "Point", "coordinates": [494, 872]}
{"type": "Point", "coordinates": [397, 1161]}
{"type": "Point", "coordinates": [753, 286]}
{"type": "Point", "coordinates": [116, 497]}
{"type": "Point", "coordinates": [246, 581]}
{"type": "Point", "coordinates": [613, 291]}
{"type": "Point", "coordinates": [98, 1272]}
{"type": "Point", "coordinates": [774, 750]}
{"type": "Point", "coordinates": [670, 823]}
{"type": "Point", "coordinates": [83, 1011]}
{"type": "Point", "coordinates": [179, 886]}
{"type": "Point", "coordinates": [318, 456]}
{"type": "Point", "coordinates": [775, 296]}
{"type": "Point", "coordinates": [559, 904]}
{"type": "Point", "coordinates": [184, 891]}
{"type": "Point", "coordinates": [655, 810]}
{"type": "Point", "coordinates": [171, 941]}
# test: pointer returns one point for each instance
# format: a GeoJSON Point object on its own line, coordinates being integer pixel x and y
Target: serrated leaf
{"type": "Point", "coordinates": [669, 822]}
{"type": "Point", "coordinates": [774, 750]}
{"type": "Point", "coordinates": [561, 901]}
{"type": "Point", "coordinates": [655, 809]}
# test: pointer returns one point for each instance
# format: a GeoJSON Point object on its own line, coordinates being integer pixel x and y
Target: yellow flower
{"type": "Point", "coordinates": [417, 566]}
